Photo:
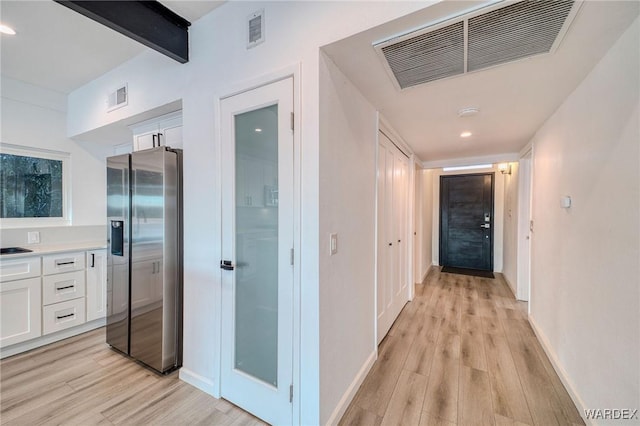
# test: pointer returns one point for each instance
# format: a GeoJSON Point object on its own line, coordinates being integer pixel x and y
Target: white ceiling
{"type": "Point", "coordinates": [59, 49]}
{"type": "Point", "coordinates": [514, 99]}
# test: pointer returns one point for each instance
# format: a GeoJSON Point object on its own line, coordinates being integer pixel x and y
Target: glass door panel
{"type": "Point", "coordinates": [256, 220]}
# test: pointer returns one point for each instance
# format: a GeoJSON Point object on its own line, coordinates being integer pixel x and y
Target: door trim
{"type": "Point", "coordinates": [299, 397]}
{"type": "Point", "coordinates": [255, 393]}
{"type": "Point", "coordinates": [524, 234]}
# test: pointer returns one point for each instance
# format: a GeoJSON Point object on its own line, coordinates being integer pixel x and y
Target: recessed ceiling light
{"type": "Point", "coordinates": [465, 134]}
{"type": "Point", "coordinates": [258, 130]}
{"type": "Point", "coordinates": [5, 29]}
{"type": "Point", "coordinates": [468, 112]}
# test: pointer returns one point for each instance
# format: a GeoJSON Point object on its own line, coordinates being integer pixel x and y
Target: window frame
{"type": "Point", "coordinates": [65, 157]}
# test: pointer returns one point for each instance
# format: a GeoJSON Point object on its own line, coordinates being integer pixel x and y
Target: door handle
{"type": "Point", "coordinates": [485, 225]}
{"type": "Point", "coordinates": [226, 265]}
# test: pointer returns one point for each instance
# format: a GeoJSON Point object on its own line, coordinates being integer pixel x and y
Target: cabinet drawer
{"type": "Point", "coordinates": [62, 315]}
{"type": "Point", "coordinates": [61, 287]}
{"type": "Point", "coordinates": [20, 310]}
{"type": "Point", "coordinates": [17, 269]}
{"type": "Point", "coordinates": [63, 262]}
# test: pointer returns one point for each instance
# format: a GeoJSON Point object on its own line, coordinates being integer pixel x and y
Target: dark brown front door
{"type": "Point", "coordinates": [466, 221]}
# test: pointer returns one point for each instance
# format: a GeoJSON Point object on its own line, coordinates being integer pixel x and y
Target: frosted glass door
{"type": "Point", "coordinates": [256, 287]}
{"type": "Point", "coordinates": [257, 242]}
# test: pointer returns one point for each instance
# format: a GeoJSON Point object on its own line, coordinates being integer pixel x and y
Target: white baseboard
{"type": "Point", "coordinates": [346, 399]}
{"type": "Point", "coordinates": [425, 274]}
{"type": "Point", "coordinates": [51, 338]}
{"type": "Point", "coordinates": [511, 286]}
{"type": "Point", "coordinates": [564, 378]}
{"type": "Point", "coordinates": [198, 381]}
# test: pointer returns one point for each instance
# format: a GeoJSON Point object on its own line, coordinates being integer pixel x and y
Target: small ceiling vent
{"type": "Point", "coordinates": [481, 39]}
{"type": "Point", "coordinates": [118, 98]}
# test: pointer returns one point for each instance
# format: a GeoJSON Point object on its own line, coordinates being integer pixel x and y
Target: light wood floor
{"type": "Point", "coordinates": [462, 353]}
{"type": "Point", "coordinates": [80, 381]}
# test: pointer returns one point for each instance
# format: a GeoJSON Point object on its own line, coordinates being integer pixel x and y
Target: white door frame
{"type": "Point", "coordinates": [525, 173]}
{"type": "Point", "coordinates": [294, 71]}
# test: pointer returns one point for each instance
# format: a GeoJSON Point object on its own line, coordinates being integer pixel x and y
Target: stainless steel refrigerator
{"type": "Point", "coordinates": [144, 256]}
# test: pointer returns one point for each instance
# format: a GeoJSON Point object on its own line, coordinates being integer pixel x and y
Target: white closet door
{"type": "Point", "coordinates": [392, 291]}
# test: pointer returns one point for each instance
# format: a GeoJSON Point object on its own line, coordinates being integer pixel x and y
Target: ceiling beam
{"type": "Point", "coordinates": [148, 22]}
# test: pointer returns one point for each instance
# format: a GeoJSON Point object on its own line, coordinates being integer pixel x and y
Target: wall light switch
{"type": "Point", "coordinates": [333, 244]}
{"type": "Point", "coordinates": [565, 202]}
{"type": "Point", "coordinates": [33, 237]}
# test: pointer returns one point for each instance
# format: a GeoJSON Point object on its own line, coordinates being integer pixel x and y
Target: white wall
{"type": "Point", "coordinates": [510, 228]}
{"type": "Point", "coordinates": [498, 212]}
{"type": "Point", "coordinates": [585, 292]}
{"type": "Point", "coordinates": [34, 117]}
{"type": "Point", "coordinates": [418, 224]}
{"type": "Point", "coordinates": [220, 65]}
{"type": "Point", "coordinates": [425, 235]}
{"type": "Point", "coordinates": [348, 130]}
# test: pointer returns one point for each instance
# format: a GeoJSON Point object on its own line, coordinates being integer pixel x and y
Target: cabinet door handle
{"type": "Point", "coordinates": [153, 137]}
{"type": "Point", "coordinates": [65, 287]}
{"type": "Point", "coordinates": [65, 316]}
{"type": "Point", "coordinates": [93, 260]}
{"type": "Point", "coordinates": [69, 262]}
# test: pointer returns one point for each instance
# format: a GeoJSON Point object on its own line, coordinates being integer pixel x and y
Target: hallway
{"type": "Point", "coordinates": [462, 352]}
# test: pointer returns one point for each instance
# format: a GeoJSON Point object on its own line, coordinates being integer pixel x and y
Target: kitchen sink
{"type": "Point", "coordinates": [14, 250]}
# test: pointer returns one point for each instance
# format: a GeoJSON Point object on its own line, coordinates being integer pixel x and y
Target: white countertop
{"type": "Point", "coordinates": [42, 249]}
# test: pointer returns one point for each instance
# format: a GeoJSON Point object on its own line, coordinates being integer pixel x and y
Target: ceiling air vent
{"type": "Point", "coordinates": [517, 31]}
{"type": "Point", "coordinates": [427, 57]}
{"type": "Point", "coordinates": [118, 98]}
{"type": "Point", "coordinates": [482, 38]}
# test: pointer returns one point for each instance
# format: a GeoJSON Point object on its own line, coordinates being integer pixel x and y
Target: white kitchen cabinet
{"type": "Point", "coordinates": [63, 315]}
{"type": "Point", "coordinates": [63, 262]}
{"type": "Point", "coordinates": [20, 310]}
{"type": "Point", "coordinates": [96, 292]}
{"type": "Point", "coordinates": [20, 299]}
{"type": "Point", "coordinates": [160, 131]}
{"type": "Point", "coordinates": [64, 287]}
{"type": "Point", "coordinates": [61, 287]}
{"type": "Point", "coordinates": [20, 268]}
{"type": "Point", "coordinates": [50, 297]}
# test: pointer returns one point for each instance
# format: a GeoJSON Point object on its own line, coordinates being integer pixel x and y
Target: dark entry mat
{"type": "Point", "coordinates": [473, 272]}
